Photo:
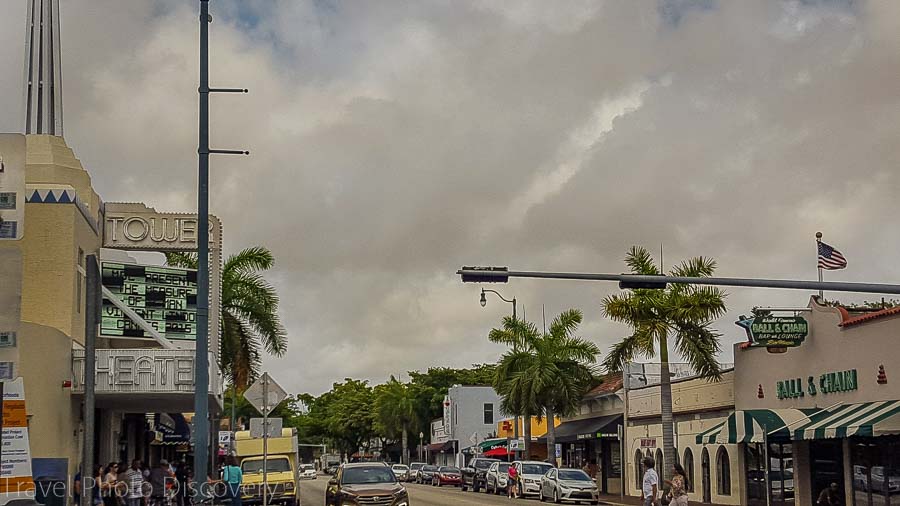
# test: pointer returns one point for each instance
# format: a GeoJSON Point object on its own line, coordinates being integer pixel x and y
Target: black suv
{"type": "Point", "coordinates": [474, 474]}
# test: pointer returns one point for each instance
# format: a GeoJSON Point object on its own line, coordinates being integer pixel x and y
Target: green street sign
{"type": "Point", "coordinates": [776, 331]}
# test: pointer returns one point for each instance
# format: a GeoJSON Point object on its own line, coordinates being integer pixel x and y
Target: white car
{"type": "Point", "coordinates": [414, 469]}
{"type": "Point", "coordinates": [569, 485]}
{"type": "Point", "coordinates": [308, 472]}
{"type": "Point", "coordinates": [401, 472]}
{"type": "Point", "coordinates": [497, 478]}
{"type": "Point", "coordinates": [530, 474]}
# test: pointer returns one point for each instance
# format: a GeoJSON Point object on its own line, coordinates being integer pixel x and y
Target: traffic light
{"type": "Point", "coordinates": [626, 284]}
{"type": "Point", "coordinates": [479, 274]}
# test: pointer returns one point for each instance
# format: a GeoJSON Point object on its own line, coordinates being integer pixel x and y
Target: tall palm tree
{"type": "Point", "coordinates": [515, 399]}
{"type": "Point", "coordinates": [395, 411]}
{"type": "Point", "coordinates": [250, 320]}
{"type": "Point", "coordinates": [548, 373]}
{"type": "Point", "coordinates": [682, 313]}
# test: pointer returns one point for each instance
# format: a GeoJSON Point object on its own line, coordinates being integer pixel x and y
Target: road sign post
{"type": "Point", "coordinates": [265, 395]}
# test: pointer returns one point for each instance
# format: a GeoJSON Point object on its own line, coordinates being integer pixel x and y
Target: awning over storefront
{"type": "Point", "coordinates": [868, 419]}
{"type": "Point", "coordinates": [749, 426]}
{"type": "Point", "coordinates": [171, 429]}
{"type": "Point", "coordinates": [440, 447]}
{"type": "Point", "coordinates": [590, 428]}
{"type": "Point", "coordinates": [497, 452]}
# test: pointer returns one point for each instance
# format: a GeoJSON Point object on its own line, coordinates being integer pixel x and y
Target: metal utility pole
{"type": "Point", "coordinates": [201, 361]}
{"type": "Point", "coordinates": [92, 304]}
{"type": "Point", "coordinates": [502, 275]}
{"type": "Point", "coordinates": [265, 494]}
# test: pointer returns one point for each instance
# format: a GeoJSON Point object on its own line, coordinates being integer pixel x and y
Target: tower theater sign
{"type": "Point", "coordinates": [138, 227]}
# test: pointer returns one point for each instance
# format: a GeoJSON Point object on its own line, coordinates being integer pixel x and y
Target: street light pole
{"type": "Point", "coordinates": [515, 317]}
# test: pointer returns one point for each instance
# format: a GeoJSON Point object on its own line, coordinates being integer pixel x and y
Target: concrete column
{"type": "Point", "coordinates": [848, 472]}
{"type": "Point", "coordinates": [803, 492]}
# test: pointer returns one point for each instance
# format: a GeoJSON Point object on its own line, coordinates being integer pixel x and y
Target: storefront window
{"type": "Point", "coordinates": [723, 472]}
{"type": "Point", "coordinates": [689, 469]}
{"type": "Point", "coordinates": [876, 471]}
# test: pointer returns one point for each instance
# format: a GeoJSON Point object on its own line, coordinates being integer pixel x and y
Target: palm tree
{"type": "Point", "coordinates": [514, 396]}
{"type": "Point", "coordinates": [395, 411]}
{"type": "Point", "coordinates": [682, 313]}
{"type": "Point", "coordinates": [547, 374]}
{"type": "Point", "coordinates": [249, 313]}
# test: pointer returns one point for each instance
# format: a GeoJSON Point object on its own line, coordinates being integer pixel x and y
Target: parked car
{"type": "Point", "coordinates": [308, 472]}
{"type": "Point", "coordinates": [414, 469]}
{"type": "Point", "coordinates": [426, 474]}
{"type": "Point", "coordinates": [365, 483]}
{"type": "Point", "coordinates": [401, 472]}
{"type": "Point", "coordinates": [446, 475]}
{"type": "Point", "coordinates": [568, 485]}
{"type": "Point", "coordinates": [530, 474]}
{"type": "Point", "coordinates": [473, 475]}
{"type": "Point", "coordinates": [497, 477]}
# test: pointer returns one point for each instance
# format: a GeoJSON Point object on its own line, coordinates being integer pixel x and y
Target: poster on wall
{"type": "Point", "coordinates": [12, 186]}
{"type": "Point", "coordinates": [15, 459]}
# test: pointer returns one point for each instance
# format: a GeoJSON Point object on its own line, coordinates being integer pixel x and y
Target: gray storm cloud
{"type": "Point", "coordinates": [394, 142]}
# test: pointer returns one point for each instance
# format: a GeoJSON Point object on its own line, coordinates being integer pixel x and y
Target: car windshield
{"type": "Point", "coordinates": [307, 467]}
{"type": "Point", "coordinates": [364, 475]}
{"type": "Point", "coordinates": [273, 466]}
{"type": "Point", "coordinates": [503, 468]}
{"type": "Point", "coordinates": [536, 468]}
{"type": "Point", "coordinates": [429, 468]}
{"type": "Point", "coordinates": [483, 464]}
{"type": "Point", "coordinates": [416, 466]}
{"type": "Point", "coordinates": [400, 468]}
{"type": "Point", "coordinates": [447, 470]}
{"type": "Point", "coordinates": [573, 475]}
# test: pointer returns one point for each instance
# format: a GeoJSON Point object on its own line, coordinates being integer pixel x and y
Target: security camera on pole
{"type": "Point", "coordinates": [265, 395]}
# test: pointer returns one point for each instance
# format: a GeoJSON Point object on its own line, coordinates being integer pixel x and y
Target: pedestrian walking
{"type": "Point", "coordinates": [108, 490]}
{"type": "Point", "coordinates": [678, 486]}
{"type": "Point", "coordinates": [829, 496]}
{"type": "Point", "coordinates": [159, 479]}
{"type": "Point", "coordinates": [650, 487]}
{"type": "Point", "coordinates": [182, 484]}
{"type": "Point", "coordinates": [133, 481]}
{"type": "Point", "coordinates": [232, 477]}
{"type": "Point", "coordinates": [512, 483]}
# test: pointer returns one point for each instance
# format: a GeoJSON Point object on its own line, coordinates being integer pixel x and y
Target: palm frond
{"type": "Point", "coordinates": [639, 343]}
{"type": "Point", "coordinates": [699, 345]}
{"type": "Point", "coordinates": [251, 259]}
{"type": "Point", "coordinates": [640, 261]}
{"type": "Point", "coordinates": [182, 259]}
{"type": "Point", "coordinates": [565, 323]}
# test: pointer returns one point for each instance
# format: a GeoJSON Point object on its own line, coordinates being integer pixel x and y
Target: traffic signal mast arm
{"type": "Point", "coordinates": [502, 275]}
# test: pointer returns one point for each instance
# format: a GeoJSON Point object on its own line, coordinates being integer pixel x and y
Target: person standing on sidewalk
{"type": "Point", "coordinates": [133, 479]}
{"type": "Point", "coordinates": [678, 486]}
{"type": "Point", "coordinates": [650, 488]}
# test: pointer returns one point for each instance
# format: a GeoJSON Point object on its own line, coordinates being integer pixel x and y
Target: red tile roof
{"type": "Point", "coordinates": [847, 320]}
{"type": "Point", "coordinates": [612, 383]}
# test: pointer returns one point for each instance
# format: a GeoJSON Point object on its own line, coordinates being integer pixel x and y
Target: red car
{"type": "Point", "coordinates": [447, 476]}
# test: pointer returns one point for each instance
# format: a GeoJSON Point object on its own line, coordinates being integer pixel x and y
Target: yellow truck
{"type": "Point", "coordinates": [281, 464]}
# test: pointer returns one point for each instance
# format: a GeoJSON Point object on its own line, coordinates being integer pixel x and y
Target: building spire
{"type": "Point", "coordinates": [43, 72]}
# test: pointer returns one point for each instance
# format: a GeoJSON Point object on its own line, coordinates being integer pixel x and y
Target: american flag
{"type": "Point", "coordinates": [830, 258]}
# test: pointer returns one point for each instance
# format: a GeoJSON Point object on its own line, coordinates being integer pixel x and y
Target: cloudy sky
{"type": "Point", "coordinates": [393, 142]}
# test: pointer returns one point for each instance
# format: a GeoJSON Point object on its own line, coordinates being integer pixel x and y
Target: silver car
{"type": "Point", "coordinates": [414, 469]}
{"type": "Point", "coordinates": [530, 474]}
{"type": "Point", "coordinates": [569, 485]}
{"type": "Point", "coordinates": [497, 478]}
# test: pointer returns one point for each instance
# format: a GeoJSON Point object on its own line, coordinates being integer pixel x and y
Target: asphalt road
{"type": "Point", "coordinates": [312, 493]}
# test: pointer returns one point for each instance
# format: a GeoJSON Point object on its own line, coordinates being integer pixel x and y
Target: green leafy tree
{"type": "Point", "coordinates": [349, 419]}
{"type": "Point", "coordinates": [544, 374]}
{"type": "Point", "coordinates": [679, 313]}
{"type": "Point", "coordinates": [250, 321]}
{"type": "Point", "coordinates": [395, 412]}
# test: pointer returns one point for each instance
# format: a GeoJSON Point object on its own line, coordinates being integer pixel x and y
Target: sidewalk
{"type": "Point", "coordinates": [615, 500]}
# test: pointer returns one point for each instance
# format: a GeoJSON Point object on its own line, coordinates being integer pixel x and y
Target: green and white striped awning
{"type": "Point", "coordinates": [868, 419]}
{"type": "Point", "coordinates": [750, 425]}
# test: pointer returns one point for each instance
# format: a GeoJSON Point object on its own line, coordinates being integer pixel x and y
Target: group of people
{"type": "Point", "coordinates": [677, 487]}
{"type": "Point", "coordinates": [137, 485]}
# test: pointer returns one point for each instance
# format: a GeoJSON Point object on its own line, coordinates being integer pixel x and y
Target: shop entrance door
{"type": "Point", "coordinates": [827, 459]}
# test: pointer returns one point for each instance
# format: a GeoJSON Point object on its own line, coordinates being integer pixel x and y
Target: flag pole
{"type": "Point", "coordinates": [819, 240]}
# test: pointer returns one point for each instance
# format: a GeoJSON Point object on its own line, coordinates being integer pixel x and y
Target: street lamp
{"type": "Point", "coordinates": [421, 436]}
{"type": "Point", "coordinates": [484, 300]}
